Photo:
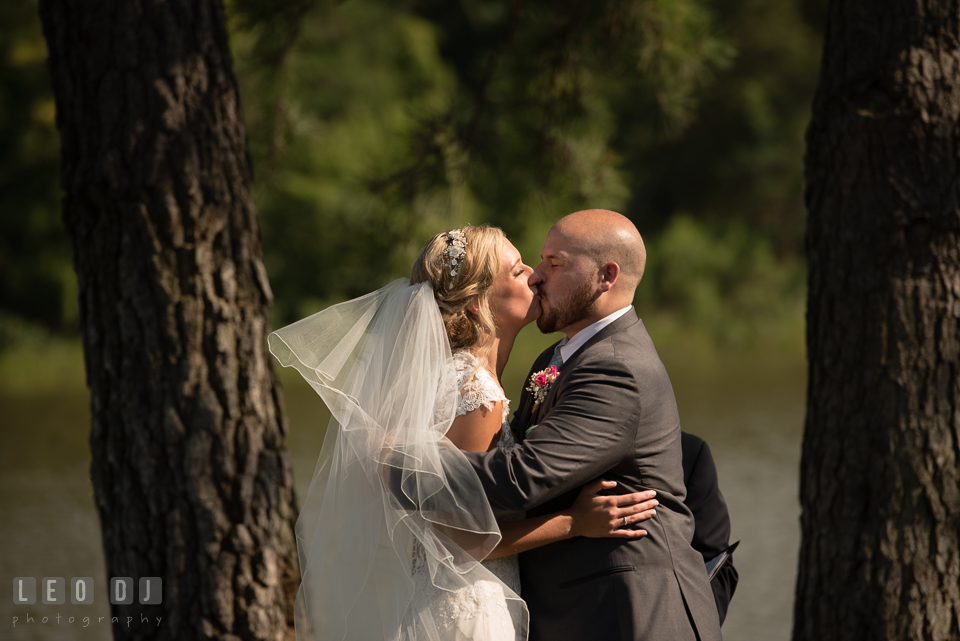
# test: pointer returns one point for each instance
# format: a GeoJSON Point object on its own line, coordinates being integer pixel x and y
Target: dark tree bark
{"type": "Point", "coordinates": [192, 480]}
{"type": "Point", "coordinates": [880, 475]}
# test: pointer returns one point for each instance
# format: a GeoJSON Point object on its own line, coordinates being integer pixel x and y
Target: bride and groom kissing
{"type": "Point", "coordinates": [433, 516]}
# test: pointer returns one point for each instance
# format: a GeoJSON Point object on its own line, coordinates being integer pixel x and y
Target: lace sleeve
{"type": "Point", "coordinates": [477, 386]}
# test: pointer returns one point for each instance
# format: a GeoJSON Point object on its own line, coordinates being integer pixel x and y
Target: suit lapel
{"type": "Point", "coordinates": [616, 326]}
{"type": "Point", "coordinates": [525, 415]}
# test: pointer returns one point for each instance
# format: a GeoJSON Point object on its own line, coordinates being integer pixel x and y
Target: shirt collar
{"type": "Point", "coordinates": [569, 347]}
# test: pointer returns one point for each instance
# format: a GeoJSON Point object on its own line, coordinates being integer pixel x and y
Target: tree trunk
{"type": "Point", "coordinates": [191, 477]}
{"type": "Point", "coordinates": [880, 475]}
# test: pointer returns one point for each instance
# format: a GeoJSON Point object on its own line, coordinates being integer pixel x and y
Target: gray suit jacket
{"type": "Point", "coordinates": [612, 413]}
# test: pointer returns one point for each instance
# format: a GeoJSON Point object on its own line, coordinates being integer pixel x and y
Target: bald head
{"type": "Point", "coordinates": [607, 237]}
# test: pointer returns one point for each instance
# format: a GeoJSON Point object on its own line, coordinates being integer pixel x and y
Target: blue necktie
{"type": "Point", "coordinates": [557, 359]}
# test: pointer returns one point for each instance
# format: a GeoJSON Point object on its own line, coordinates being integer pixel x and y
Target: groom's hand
{"type": "Point", "coordinates": [610, 515]}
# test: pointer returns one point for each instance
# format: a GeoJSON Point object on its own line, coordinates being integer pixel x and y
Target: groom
{"type": "Point", "coordinates": [610, 412]}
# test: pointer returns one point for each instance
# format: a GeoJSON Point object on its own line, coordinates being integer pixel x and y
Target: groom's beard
{"type": "Point", "coordinates": [576, 306]}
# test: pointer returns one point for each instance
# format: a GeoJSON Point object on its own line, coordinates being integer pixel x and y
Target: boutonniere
{"type": "Point", "coordinates": [540, 383]}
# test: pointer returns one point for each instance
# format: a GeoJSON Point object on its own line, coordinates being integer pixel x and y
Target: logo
{"type": "Point", "coordinates": [53, 591]}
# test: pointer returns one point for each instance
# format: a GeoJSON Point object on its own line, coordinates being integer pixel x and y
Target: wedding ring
{"type": "Point", "coordinates": [624, 522]}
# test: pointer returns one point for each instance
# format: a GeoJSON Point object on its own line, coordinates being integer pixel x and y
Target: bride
{"type": "Point", "coordinates": [396, 539]}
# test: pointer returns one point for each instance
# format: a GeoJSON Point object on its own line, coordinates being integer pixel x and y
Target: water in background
{"type": "Point", "coordinates": [749, 410]}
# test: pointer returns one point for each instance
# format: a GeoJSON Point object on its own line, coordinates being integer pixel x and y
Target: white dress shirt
{"type": "Point", "coordinates": [569, 347]}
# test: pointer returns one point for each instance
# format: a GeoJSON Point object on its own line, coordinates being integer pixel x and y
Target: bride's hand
{"type": "Point", "coordinates": [608, 515]}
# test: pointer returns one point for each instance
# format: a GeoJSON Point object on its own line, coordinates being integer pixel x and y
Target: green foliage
{"type": "Point", "coordinates": [725, 282]}
{"type": "Point", "coordinates": [741, 159]}
{"type": "Point", "coordinates": [36, 276]}
{"type": "Point", "coordinates": [336, 219]}
{"type": "Point", "coordinates": [679, 46]}
{"type": "Point", "coordinates": [478, 111]}
{"type": "Point", "coordinates": [374, 124]}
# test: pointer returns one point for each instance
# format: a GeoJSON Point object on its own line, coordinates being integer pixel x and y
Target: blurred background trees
{"type": "Point", "coordinates": [374, 124]}
{"type": "Point", "coordinates": [37, 284]}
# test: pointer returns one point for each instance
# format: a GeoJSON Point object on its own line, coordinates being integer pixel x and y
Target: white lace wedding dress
{"type": "Point", "coordinates": [479, 611]}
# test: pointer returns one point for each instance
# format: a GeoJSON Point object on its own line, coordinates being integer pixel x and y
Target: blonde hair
{"type": "Point", "coordinates": [477, 272]}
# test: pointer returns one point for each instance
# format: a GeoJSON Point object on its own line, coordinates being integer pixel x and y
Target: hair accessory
{"type": "Point", "coordinates": [456, 251]}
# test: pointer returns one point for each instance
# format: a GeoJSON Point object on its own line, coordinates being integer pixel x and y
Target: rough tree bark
{"type": "Point", "coordinates": [191, 477]}
{"type": "Point", "coordinates": [880, 474]}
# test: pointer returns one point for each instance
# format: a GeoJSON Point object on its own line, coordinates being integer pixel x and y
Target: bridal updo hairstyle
{"type": "Point", "coordinates": [477, 272]}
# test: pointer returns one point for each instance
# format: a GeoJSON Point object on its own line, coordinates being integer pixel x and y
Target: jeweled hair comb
{"type": "Point", "coordinates": [456, 251]}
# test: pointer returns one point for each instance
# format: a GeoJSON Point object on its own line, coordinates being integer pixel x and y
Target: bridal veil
{"type": "Point", "coordinates": [394, 508]}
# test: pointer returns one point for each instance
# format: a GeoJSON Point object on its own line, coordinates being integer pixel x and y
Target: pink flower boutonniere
{"type": "Point", "coordinates": [540, 383]}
